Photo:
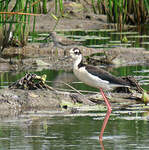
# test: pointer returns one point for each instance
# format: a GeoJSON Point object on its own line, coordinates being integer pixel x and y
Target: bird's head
{"type": "Point", "coordinates": [75, 54]}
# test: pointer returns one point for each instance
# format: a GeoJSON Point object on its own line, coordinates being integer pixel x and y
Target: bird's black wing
{"type": "Point", "coordinates": [104, 75]}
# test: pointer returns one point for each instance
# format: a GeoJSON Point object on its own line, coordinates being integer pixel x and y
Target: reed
{"type": "Point", "coordinates": [16, 20]}
{"type": "Point", "coordinates": [122, 12]}
{"type": "Point", "coordinates": [98, 6]}
{"type": "Point", "coordinates": [61, 7]}
{"type": "Point", "coordinates": [44, 8]}
{"type": "Point", "coordinates": [56, 7]}
{"type": "Point", "coordinates": [93, 5]}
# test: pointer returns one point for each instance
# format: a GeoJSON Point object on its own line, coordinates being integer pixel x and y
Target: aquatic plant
{"type": "Point", "coordinates": [122, 12]}
{"type": "Point", "coordinates": [15, 20]}
{"type": "Point", "coordinates": [59, 7]}
{"type": "Point", "coordinates": [44, 6]}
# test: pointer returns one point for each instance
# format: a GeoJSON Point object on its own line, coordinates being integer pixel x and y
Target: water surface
{"type": "Point", "coordinates": [124, 132]}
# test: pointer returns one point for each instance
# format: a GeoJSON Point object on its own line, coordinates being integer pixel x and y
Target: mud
{"type": "Point", "coordinates": [16, 101]}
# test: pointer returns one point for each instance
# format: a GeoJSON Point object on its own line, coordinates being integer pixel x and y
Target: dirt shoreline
{"type": "Point", "coordinates": [17, 101]}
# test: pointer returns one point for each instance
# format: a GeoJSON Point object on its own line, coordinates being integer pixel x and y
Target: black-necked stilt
{"type": "Point", "coordinates": [95, 77]}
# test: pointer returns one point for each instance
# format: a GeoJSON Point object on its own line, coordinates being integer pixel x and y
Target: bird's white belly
{"type": "Point", "coordinates": [90, 79]}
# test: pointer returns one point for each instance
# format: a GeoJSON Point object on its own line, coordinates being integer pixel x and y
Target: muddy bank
{"type": "Point", "coordinates": [16, 101]}
{"type": "Point", "coordinates": [77, 15]}
{"type": "Point", "coordinates": [34, 58]}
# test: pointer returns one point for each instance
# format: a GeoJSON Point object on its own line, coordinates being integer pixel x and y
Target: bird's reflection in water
{"type": "Point", "coordinates": [103, 128]}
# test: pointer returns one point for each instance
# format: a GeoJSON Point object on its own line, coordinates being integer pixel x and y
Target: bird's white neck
{"type": "Point", "coordinates": [77, 61]}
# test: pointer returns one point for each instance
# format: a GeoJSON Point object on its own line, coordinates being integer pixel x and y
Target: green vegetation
{"type": "Point", "coordinates": [59, 7]}
{"type": "Point", "coordinates": [15, 20]}
{"type": "Point", "coordinates": [123, 12]}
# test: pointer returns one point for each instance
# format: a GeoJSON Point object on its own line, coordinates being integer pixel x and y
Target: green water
{"type": "Point", "coordinates": [71, 133]}
{"type": "Point", "coordinates": [104, 38]}
{"type": "Point", "coordinates": [140, 73]}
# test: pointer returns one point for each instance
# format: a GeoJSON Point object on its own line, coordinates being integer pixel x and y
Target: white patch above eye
{"type": "Point", "coordinates": [76, 51]}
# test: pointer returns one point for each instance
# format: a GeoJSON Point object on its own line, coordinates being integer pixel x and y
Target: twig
{"type": "Point", "coordinates": [50, 88]}
{"type": "Point", "coordinates": [75, 90]}
{"type": "Point", "coordinates": [20, 13]}
{"type": "Point", "coordinates": [72, 88]}
{"type": "Point", "coordinates": [78, 91]}
{"type": "Point", "coordinates": [83, 91]}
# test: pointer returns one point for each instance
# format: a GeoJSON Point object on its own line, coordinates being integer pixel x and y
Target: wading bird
{"type": "Point", "coordinates": [62, 42]}
{"type": "Point", "coordinates": [97, 78]}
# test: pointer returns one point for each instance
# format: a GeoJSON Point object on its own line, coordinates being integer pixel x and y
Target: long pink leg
{"type": "Point", "coordinates": [106, 117]}
{"type": "Point", "coordinates": [106, 100]}
{"type": "Point", "coordinates": [104, 125]}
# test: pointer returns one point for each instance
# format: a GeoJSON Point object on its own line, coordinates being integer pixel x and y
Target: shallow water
{"type": "Point", "coordinates": [70, 132]}
{"type": "Point", "coordinates": [104, 38]}
{"type": "Point", "coordinates": [54, 77]}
